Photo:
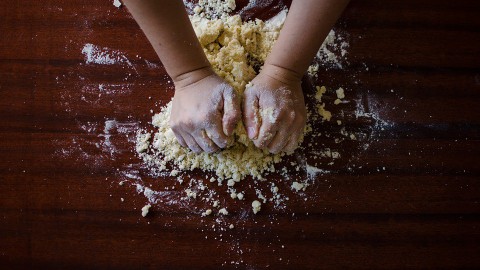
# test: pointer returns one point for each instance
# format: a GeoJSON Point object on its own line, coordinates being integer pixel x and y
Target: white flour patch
{"type": "Point", "coordinates": [105, 56]}
{"type": "Point", "coordinates": [95, 55]}
{"type": "Point", "coordinates": [115, 89]}
{"type": "Point", "coordinates": [312, 171]}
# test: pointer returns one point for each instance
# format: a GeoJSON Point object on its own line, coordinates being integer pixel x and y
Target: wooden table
{"type": "Point", "coordinates": [405, 195]}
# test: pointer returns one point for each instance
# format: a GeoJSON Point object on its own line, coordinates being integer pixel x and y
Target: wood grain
{"type": "Point", "coordinates": [408, 200]}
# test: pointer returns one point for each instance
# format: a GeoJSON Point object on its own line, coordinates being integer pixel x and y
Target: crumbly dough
{"type": "Point", "coordinates": [214, 8]}
{"type": "Point", "coordinates": [326, 115]}
{"type": "Point", "coordinates": [235, 49]}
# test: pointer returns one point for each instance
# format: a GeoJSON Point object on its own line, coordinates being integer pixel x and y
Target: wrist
{"type": "Point", "coordinates": [190, 77]}
{"type": "Point", "coordinates": [282, 74]}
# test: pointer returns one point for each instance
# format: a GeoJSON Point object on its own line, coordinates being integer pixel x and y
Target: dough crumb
{"type": "Point", "coordinates": [256, 206]}
{"type": "Point", "coordinates": [117, 3]}
{"type": "Point", "coordinates": [223, 211]}
{"type": "Point", "coordinates": [207, 212]}
{"type": "Point", "coordinates": [190, 193]}
{"type": "Point", "coordinates": [340, 93]}
{"type": "Point", "coordinates": [298, 186]}
{"type": "Point", "coordinates": [268, 114]}
{"type": "Point", "coordinates": [320, 91]}
{"type": "Point", "coordinates": [326, 115]}
{"type": "Point", "coordinates": [145, 210]}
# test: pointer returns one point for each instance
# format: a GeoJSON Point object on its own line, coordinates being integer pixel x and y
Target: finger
{"type": "Point", "coordinates": [215, 133]}
{"type": "Point", "coordinates": [231, 111]}
{"type": "Point", "coordinates": [251, 117]}
{"type": "Point", "coordinates": [205, 142]}
{"type": "Point", "coordinates": [279, 141]}
{"type": "Point", "coordinates": [179, 137]}
{"type": "Point", "coordinates": [270, 125]}
{"type": "Point", "coordinates": [265, 136]}
{"type": "Point", "coordinates": [293, 142]}
{"type": "Point", "coordinates": [192, 144]}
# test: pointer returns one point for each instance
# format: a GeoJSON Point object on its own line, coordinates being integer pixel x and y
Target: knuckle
{"type": "Point", "coordinates": [187, 125]}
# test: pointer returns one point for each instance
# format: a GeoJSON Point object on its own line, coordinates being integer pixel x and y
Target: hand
{"type": "Point", "coordinates": [205, 111]}
{"type": "Point", "coordinates": [274, 110]}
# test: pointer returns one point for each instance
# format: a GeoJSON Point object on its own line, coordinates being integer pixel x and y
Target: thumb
{"type": "Point", "coordinates": [251, 114]}
{"type": "Point", "coordinates": [231, 110]}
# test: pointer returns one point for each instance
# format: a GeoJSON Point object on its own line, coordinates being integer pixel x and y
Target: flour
{"type": "Point", "coordinates": [332, 53]}
{"type": "Point", "coordinates": [96, 55]}
{"type": "Point", "coordinates": [105, 56]}
{"type": "Point", "coordinates": [333, 49]}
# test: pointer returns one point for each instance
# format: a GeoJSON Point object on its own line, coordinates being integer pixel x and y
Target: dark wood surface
{"type": "Point", "coordinates": [406, 195]}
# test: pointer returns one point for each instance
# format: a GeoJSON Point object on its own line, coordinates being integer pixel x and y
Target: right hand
{"type": "Point", "coordinates": [274, 110]}
{"type": "Point", "coordinates": [205, 111]}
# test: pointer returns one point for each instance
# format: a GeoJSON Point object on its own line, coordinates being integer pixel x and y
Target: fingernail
{"type": "Point", "coordinates": [250, 132]}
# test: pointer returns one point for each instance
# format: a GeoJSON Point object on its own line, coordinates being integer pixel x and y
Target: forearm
{"type": "Point", "coordinates": [167, 27]}
{"type": "Point", "coordinates": [307, 24]}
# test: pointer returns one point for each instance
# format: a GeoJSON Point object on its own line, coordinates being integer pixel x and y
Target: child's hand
{"type": "Point", "coordinates": [274, 110]}
{"type": "Point", "coordinates": [204, 113]}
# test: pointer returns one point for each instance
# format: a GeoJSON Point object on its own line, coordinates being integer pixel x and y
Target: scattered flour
{"type": "Point", "coordinates": [105, 56]}
{"type": "Point", "coordinates": [96, 55]}
{"type": "Point", "coordinates": [332, 53]}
